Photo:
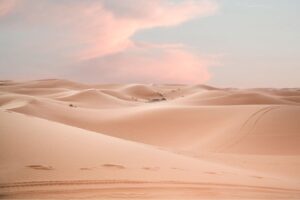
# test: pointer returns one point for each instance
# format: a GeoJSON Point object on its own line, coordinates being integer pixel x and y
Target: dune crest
{"type": "Point", "coordinates": [119, 141]}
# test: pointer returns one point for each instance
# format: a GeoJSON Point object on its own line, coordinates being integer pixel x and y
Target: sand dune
{"type": "Point", "coordinates": [255, 129]}
{"type": "Point", "coordinates": [143, 92]}
{"type": "Point", "coordinates": [48, 83]}
{"type": "Point", "coordinates": [71, 140]}
{"type": "Point", "coordinates": [94, 99]}
{"type": "Point", "coordinates": [233, 98]}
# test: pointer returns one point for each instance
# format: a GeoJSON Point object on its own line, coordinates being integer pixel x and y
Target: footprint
{"type": "Point", "coordinates": [151, 168]}
{"type": "Point", "coordinates": [210, 172]}
{"type": "Point", "coordinates": [176, 168]}
{"type": "Point", "coordinates": [259, 177]}
{"type": "Point", "coordinates": [40, 167]}
{"type": "Point", "coordinates": [114, 166]}
{"type": "Point", "coordinates": [85, 168]}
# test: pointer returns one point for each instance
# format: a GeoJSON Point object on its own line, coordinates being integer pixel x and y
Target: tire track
{"type": "Point", "coordinates": [252, 116]}
{"type": "Point", "coordinates": [255, 117]}
{"type": "Point", "coordinates": [134, 183]}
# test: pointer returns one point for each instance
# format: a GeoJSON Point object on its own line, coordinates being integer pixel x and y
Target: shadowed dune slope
{"type": "Point", "coordinates": [212, 120]}
{"type": "Point", "coordinates": [94, 98]}
{"type": "Point", "coordinates": [140, 91]}
{"type": "Point", "coordinates": [237, 129]}
{"type": "Point", "coordinates": [234, 98]}
{"type": "Point", "coordinates": [53, 151]}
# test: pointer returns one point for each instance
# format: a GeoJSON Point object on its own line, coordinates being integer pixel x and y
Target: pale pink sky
{"type": "Point", "coordinates": [121, 41]}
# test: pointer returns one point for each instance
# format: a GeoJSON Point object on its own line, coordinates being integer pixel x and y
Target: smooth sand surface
{"type": "Point", "coordinates": [65, 140]}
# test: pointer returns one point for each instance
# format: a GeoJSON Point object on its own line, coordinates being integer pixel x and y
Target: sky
{"type": "Point", "coordinates": [226, 43]}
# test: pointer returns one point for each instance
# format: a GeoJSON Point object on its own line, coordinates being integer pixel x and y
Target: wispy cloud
{"type": "Point", "coordinates": [148, 64]}
{"type": "Point", "coordinates": [6, 6]}
{"type": "Point", "coordinates": [102, 29]}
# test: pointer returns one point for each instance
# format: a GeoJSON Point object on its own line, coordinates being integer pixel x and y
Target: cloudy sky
{"type": "Point", "coordinates": [230, 43]}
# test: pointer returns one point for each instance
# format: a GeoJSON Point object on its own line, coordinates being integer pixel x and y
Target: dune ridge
{"type": "Point", "coordinates": [70, 139]}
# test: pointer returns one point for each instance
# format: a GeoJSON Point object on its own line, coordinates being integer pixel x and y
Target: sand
{"type": "Point", "coordinates": [65, 140]}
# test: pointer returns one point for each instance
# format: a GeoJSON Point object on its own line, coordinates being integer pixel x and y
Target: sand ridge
{"type": "Point", "coordinates": [69, 139]}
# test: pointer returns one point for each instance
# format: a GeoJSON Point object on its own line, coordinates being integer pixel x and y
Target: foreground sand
{"type": "Point", "coordinates": [61, 139]}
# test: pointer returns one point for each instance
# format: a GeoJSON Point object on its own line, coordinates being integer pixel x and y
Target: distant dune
{"type": "Point", "coordinates": [67, 140]}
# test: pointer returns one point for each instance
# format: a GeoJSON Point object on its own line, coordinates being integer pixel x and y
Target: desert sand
{"type": "Point", "coordinates": [65, 140]}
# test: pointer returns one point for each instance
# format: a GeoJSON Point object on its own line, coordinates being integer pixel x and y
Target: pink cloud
{"type": "Point", "coordinates": [149, 64]}
{"type": "Point", "coordinates": [100, 29]}
{"type": "Point", "coordinates": [115, 36]}
{"type": "Point", "coordinates": [169, 66]}
{"type": "Point", "coordinates": [6, 6]}
{"type": "Point", "coordinates": [90, 30]}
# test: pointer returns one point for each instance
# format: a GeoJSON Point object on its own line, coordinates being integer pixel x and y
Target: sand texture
{"type": "Point", "coordinates": [65, 140]}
